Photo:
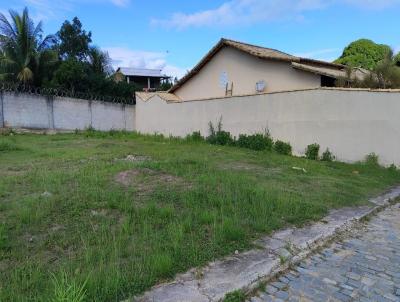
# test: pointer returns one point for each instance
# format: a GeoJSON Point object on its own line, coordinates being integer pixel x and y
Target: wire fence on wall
{"type": "Point", "coordinates": [54, 92]}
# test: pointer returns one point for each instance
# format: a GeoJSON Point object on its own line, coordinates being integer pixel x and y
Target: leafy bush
{"type": "Point", "coordinates": [218, 136]}
{"type": "Point", "coordinates": [283, 148]}
{"type": "Point", "coordinates": [312, 151]}
{"type": "Point", "coordinates": [327, 155]}
{"type": "Point", "coordinates": [256, 142]}
{"type": "Point", "coordinates": [195, 137]}
{"type": "Point", "coordinates": [372, 159]}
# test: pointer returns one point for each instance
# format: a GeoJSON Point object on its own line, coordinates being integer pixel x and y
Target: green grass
{"type": "Point", "coordinates": [93, 238]}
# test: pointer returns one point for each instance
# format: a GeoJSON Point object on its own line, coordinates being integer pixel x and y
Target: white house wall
{"type": "Point", "coordinates": [244, 71]}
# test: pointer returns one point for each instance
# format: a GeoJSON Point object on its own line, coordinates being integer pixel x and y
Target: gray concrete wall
{"type": "Point", "coordinates": [352, 123]}
{"type": "Point", "coordinates": [19, 110]}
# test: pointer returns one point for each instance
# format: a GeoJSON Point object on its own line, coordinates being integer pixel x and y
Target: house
{"type": "Point", "coordinates": [147, 79]}
{"type": "Point", "coordinates": [234, 68]}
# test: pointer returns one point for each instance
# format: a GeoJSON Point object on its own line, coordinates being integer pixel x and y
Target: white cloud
{"type": "Point", "coordinates": [243, 12]}
{"type": "Point", "coordinates": [125, 57]}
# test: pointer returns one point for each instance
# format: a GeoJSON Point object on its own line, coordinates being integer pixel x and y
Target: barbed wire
{"type": "Point", "coordinates": [55, 92]}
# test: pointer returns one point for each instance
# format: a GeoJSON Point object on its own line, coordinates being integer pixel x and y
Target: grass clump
{"type": "Point", "coordinates": [3, 236]}
{"type": "Point", "coordinates": [236, 296]}
{"type": "Point", "coordinates": [67, 290]}
{"type": "Point", "coordinates": [6, 146]}
{"type": "Point", "coordinates": [283, 148]}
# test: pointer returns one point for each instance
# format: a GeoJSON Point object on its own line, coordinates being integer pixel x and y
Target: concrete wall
{"type": "Point", "coordinates": [19, 110]}
{"type": "Point", "coordinates": [352, 123]}
{"type": "Point", "coordinates": [244, 71]}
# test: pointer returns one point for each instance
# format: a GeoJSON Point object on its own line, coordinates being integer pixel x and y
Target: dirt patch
{"type": "Point", "coordinates": [146, 180]}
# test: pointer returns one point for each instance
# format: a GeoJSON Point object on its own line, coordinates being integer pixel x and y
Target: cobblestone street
{"type": "Point", "coordinates": [364, 266]}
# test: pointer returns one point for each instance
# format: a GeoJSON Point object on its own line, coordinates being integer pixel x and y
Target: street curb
{"type": "Point", "coordinates": [345, 228]}
{"type": "Point", "coordinates": [276, 254]}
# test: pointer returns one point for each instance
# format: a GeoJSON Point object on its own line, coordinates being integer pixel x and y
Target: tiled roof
{"type": "Point", "coordinates": [169, 97]}
{"type": "Point", "coordinates": [356, 73]}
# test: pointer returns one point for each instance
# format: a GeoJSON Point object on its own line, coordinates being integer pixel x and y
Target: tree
{"type": "Point", "coordinates": [385, 75]}
{"type": "Point", "coordinates": [387, 72]}
{"type": "Point", "coordinates": [99, 61]}
{"type": "Point", "coordinates": [71, 75]}
{"type": "Point", "coordinates": [23, 52]}
{"type": "Point", "coordinates": [74, 41]}
{"type": "Point", "coordinates": [363, 53]}
{"type": "Point", "coordinates": [397, 59]}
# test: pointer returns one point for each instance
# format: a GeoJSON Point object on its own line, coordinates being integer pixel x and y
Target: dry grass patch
{"type": "Point", "coordinates": [145, 180]}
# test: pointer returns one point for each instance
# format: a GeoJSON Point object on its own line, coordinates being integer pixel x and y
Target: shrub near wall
{"type": "Point", "coordinates": [283, 148]}
{"type": "Point", "coordinates": [256, 142]}
{"type": "Point", "coordinates": [312, 151]}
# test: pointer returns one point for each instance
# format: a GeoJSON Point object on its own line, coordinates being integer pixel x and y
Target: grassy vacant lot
{"type": "Point", "coordinates": [75, 215]}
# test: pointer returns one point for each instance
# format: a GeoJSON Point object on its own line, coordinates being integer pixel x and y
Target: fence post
{"type": "Point", "coordinates": [124, 113]}
{"type": "Point", "coordinates": [50, 111]}
{"type": "Point", "coordinates": [91, 113]}
{"type": "Point", "coordinates": [2, 125]}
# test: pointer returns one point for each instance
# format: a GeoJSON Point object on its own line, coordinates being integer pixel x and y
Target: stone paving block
{"type": "Point", "coordinates": [342, 297]}
{"type": "Point", "coordinates": [365, 267]}
{"type": "Point", "coordinates": [282, 295]}
{"type": "Point", "coordinates": [278, 285]}
{"type": "Point", "coordinates": [270, 289]}
{"type": "Point", "coordinates": [353, 276]}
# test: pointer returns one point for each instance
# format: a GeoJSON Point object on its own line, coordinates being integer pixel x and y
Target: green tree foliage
{"type": "Point", "coordinates": [64, 61]}
{"type": "Point", "coordinates": [73, 40]}
{"type": "Point", "coordinates": [71, 75]}
{"type": "Point", "coordinates": [363, 53]}
{"type": "Point", "coordinates": [99, 61]}
{"type": "Point", "coordinates": [396, 59]}
{"type": "Point", "coordinates": [385, 75]}
{"type": "Point", "coordinates": [25, 56]}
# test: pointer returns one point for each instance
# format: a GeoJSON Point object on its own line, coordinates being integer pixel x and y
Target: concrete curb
{"type": "Point", "coordinates": [275, 255]}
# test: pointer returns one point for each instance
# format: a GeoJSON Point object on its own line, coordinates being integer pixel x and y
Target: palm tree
{"type": "Point", "coordinates": [23, 51]}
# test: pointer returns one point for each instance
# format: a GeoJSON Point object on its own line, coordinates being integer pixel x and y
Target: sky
{"type": "Point", "coordinates": [174, 35]}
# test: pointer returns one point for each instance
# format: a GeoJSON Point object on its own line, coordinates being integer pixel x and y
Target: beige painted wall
{"type": "Point", "coordinates": [351, 123]}
{"type": "Point", "coordinates": [244, 71]}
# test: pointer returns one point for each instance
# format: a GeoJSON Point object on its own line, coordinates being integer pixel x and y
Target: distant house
{"type": "Point", "coordinates": [147, 79]}
{"type": "Point", "coordinates": [234, 68]}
